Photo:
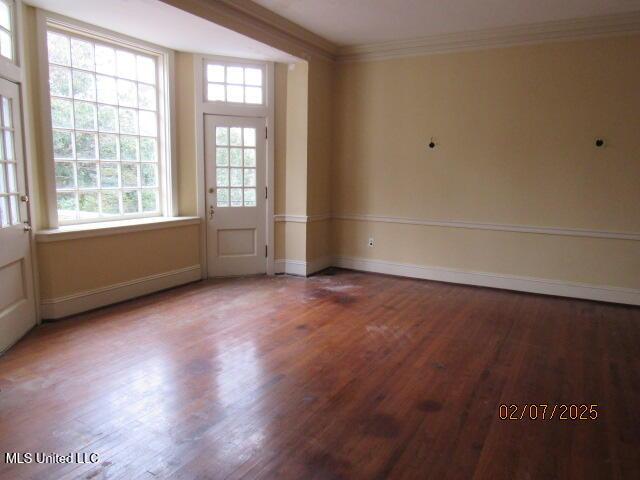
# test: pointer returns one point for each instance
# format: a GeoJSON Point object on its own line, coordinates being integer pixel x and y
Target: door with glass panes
{"type": "Point", "coordinates": [17, 307]}
{"type": "Point", "coordinates": [235, 195]}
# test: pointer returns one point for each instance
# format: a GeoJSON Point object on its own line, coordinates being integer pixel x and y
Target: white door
{"type": "Point", "coordinates": [17, 307]}
{"type": "Point", "coordinates": [236, 189]}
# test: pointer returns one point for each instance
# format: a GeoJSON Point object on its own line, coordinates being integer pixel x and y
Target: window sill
{"type": "Point", "coordinates": [86, 230]}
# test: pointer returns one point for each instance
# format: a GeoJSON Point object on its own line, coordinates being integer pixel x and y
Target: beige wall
{"type": "Point", "coordinates": [291, 241]}
{"type": "Point", "coordinates": [320, 118]}
{"type": "Point", "coordinates": [322, 104]}
{"type": "Point", "coordinates": [304, 167]}
{"type": "Point", "coordinates": [185, 105]}
{"type": "Point", "coordinates": [291, 162]}
{"type": "Point", "coordinates": [280, 113]}
{"type": "Point", "coordinates": [515, 129]}
{"type": "Point", "coordinates": [295, 194]}
{"type": "Point", "coordinates": [73, 266]}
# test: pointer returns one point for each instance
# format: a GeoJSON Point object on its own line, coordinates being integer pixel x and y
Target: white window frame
{"type": "Point", "coordinates": [266, 111]}
{"type": "Point", "coordinates": [230, 63]}
{"type": "Point", "coordinates": [10, 69]}
{"type": "Point", "coordinates": [166, 133]}
{"type": "Point", "coordinates": [234, 108]}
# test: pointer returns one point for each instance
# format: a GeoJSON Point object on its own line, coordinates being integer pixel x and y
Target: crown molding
{"type": "Point", "coordinates": [277, 22]}
{"type": "Point", "coordinates": [574, 29]}
{"type": "Point", "coordinates": [254, 21]}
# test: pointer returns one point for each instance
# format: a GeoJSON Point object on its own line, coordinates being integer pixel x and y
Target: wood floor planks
{"type": "Point", "coordinates": [342, 375]}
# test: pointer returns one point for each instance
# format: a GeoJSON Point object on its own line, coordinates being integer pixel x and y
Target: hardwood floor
{"type": "Point", "coordinates": [342, 375]}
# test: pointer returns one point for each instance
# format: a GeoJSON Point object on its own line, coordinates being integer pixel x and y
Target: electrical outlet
{"type": "Point", "coordinates": [371, 242]}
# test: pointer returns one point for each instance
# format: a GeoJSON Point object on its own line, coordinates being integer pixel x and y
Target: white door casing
{"type": "Point", "coordinates": [235, 173]}
{"type": "Point", "coordinates": [17, 305]}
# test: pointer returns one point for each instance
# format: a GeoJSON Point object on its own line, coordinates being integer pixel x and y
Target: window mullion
{"type": "Point", "coordinates": [109, 171]}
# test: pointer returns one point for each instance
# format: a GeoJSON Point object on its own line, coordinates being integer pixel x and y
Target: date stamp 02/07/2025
{"type": "Point", "coordinates": [545, 411]}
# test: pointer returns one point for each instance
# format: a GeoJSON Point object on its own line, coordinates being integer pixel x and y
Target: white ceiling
{"type": "Point", "coordinates": [164, 25]}
{"type": "Point", "coordinates": [357, 22]}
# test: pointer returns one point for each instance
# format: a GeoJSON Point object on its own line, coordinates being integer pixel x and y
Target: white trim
{"type": "Point", "coordinates": [291, 267]}
{"type": "Point", "coordinates": [267, 112]}
{"type": "Point", "coordinates": [261, 24]}
{"type": "Point", "coordinates": [170, 165]}
{"type": "Point", "coordinates": [270, 233]}
{"type": "Point", "coordinates": [231, 108]}
{"type": "Point", "coordinates": [302, 218]}
{"type": "Point", "coordinates": [27, 139]}
{"type": "Point", "coordinates": [99, 297]}
{"type": "Point", "coordinates": [222, 105]}
{"type": "Point", "coordinates": [302, 268]}
{"type": "Point", "coordinates": [46, 140]}
{"type": "Point", "coordinates": [12, 70]}
{"type": "Point", "coordinates": [572, 232]}
{"type": "Point", "coordinates": [562, 30]}
{"type": "Point", "coordinates": [291, 218]}
{"type": "Point", "coordinates": [71, 232]}
{"type": "Point", "coordinates": [166, 115]}
{"type": "Point", "coordinates": [494, 280]}
{"type": "Point", "coordinates": [201, 191]}
{"type": "Point", "coordinates": [320, 217]}
{"type": "Point", "coordinates": [283, 27]}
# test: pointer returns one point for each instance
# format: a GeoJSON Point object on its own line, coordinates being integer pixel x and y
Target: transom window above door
{"type": "Point", "coordinates": [6, 30]}
{"type": "Point", "coordinates": [235, 83]}
{"type": "Point", "coordinates": [235, 167]}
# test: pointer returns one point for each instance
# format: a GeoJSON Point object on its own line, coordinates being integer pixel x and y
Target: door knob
{"type": "Point", "coordinates": [211, 212]}
{"type": "Point", "coordinates": [27, 228]}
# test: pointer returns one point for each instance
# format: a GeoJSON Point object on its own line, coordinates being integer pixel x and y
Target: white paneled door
{"type": "Point", "coordinates": [17, 307]}
{"type": "Point", "coordinates": [235, 195]}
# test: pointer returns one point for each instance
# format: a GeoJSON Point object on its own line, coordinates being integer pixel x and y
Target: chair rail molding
{"type": "Point", "coordinates": [572, 232]}
{"type": "Point", "coordinates": [302, 218]}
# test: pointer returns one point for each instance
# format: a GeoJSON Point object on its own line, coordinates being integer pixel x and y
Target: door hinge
{"type": "Point", "coordinates": [266, 250]}
{"type": "Point", "coordinates": [266, 132]}
{"type": "Point", "coordinates": [266, 192]}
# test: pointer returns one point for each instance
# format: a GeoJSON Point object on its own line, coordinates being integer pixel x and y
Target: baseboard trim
{"type": "Point", "coordinates": [291, 267]}
{"type": "Point", "coordinates": [60, 307]}
{"type": "Point", "coordinates": [301, 268]}
{"type": "Point", "coordinates": [90, 299]}
{"type": "Point", "coordinates": [493, 280]}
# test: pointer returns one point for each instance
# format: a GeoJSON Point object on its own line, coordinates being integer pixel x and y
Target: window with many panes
{"type": "Point", "coordinates": [236, 167]}
{"type": "Point", "coordinates": [9, 195]}
{"type": "Point", "coordinates": [235, 84]}
{"type": "Point", "coordinates": [106, 129]}
{"type": "Point", "coordinates": [6, 37]}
